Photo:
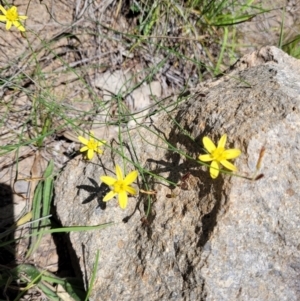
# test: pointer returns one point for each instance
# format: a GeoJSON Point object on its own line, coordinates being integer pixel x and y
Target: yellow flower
{"type": "Point", "coordinates": [218, 155]}
{"type": "Point", "coordinates": [91, 145]}
{"type": "Point", "coordinates": [120, 186]}
{"type": "Point", "coordinates": [11, 17]}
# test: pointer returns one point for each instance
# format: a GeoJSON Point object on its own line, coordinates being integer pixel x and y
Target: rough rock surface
{"type": "Point", "coordinates": [224, 239]}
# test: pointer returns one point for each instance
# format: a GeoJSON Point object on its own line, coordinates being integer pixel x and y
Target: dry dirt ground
{"type": "Point", "coordinates": [73, 68]}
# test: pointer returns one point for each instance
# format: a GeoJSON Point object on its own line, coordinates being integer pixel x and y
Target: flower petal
{"type": "Point", "coordinates": [228, 165]}
{"type": "Point", "coordinates": [3, 10]}
{"type": "Point", "coordinates": [109, 196]}
{"type": "Point", "coordinates": [101, 142]}
{"type": "Point", "coordinates": [232, 153]}
{"type": "Point", "coordinates": [23, 17]}
{"type": "Point", "coordinates": [84, 149]}
{"type": "Point", "coordinates": [3, 18]}
{"type": "Point", "coordinates": [119, 172]}
{"type": "Point", "coordinates": [83, 140]}
{"type": "Point", "coordinates": [222, 141]}
{"type": "Point", "coordinates": [122, 199]}
{"type": "Point", "coordinates": [99, 151]}
{"type": "Point", "coordinates": [130, 190]}
{"type": "Point", "coordinates": [214, 169]}
{"type": "Point", "coordinates": [108, 180]}
{"type": "Point", "coordinates": [205, 158]}
{"type": "Point", "coordinates": [90, 154]}
{"type": "Point", "coordinates": [18, 25]}
{"type": "Point", "coordinates": [208, 144]}
{"type": "Point", "coordinates": [131, 177]}
{"type": "Point", "coordinates": [8, 25]}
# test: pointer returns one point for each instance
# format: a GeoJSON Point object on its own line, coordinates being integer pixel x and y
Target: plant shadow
{"type": "Point", "coordinates": [96, 192]}
{"type": "Point", "coordinates": [7, 252]}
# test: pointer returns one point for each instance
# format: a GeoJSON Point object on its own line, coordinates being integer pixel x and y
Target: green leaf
{"type": "Point", "coordinates": [27, 272]}
{"type": "Point", "coordinates": [41, 205]}
{"type": "Point", "coordinates": [293, 47]}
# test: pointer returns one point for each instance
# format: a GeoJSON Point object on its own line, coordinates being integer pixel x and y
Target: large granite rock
{"type": "Point", "coordinates": [223, 239]}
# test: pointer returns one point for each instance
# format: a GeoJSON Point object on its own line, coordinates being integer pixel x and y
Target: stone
{"type": "Point", "coordinates": [231, 238]}
{"type": "Point", "coordinates": [133, 109]}
{"type": "Point", "coordinates": [113, 84]}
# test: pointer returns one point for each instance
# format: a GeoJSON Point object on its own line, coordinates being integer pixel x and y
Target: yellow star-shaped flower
{"type": "Point", "coordinates": [218, 155]}
{"type": "Point", "coordinates": [11, 17]}
{"type": "Point", "coordinates": [91, 145]}
{"type": "Point", "coordinates": [120, 186]}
